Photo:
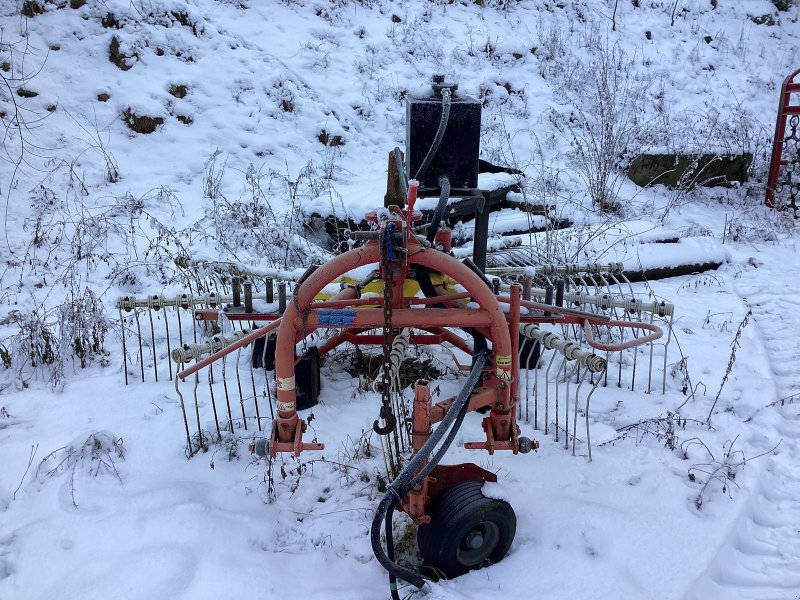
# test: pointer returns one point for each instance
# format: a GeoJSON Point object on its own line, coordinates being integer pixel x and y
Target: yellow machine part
{"type": "Point", "coordinates": [410, 286]}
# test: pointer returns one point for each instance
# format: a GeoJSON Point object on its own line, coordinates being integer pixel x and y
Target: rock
{"type": "Point", "coordinates": [31, 8]}
{"type": "Point", "coordinates": [178, 90]}
{"type": "Point", "coordinates": [116, 56]}
{"type": "Point", "coordinates": [141, 123]}
{"type": "Point", "coordinates": [330, 140]}
{"type": "Point", "coordinates": [689, 170]}
{"type": "Point", "coordinates": [783, 5]}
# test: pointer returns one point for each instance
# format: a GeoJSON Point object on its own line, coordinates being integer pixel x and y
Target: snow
{"type": "Point", "coordinates": [128, 516]}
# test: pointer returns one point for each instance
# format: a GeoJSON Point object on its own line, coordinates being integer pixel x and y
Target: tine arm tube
{"type": "Point", "coordinates": [656, 333]}
{"type": "Point", "coordinates": [570, 350]}
{"type": "Point", "coordinates": [224, 351]}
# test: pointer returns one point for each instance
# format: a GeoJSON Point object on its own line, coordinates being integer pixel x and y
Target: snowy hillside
{"type": "Point", "coordinates": [155, 146]}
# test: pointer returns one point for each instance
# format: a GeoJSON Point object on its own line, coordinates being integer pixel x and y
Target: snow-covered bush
{"type": "Point", "coordinates": [96, 456]}
{"type": "Point", "coordinates": [47, 341]}
{"type": "Point", "coordinates": [605, 120]}
{"type": "Point", "coordinates": [248, 230]}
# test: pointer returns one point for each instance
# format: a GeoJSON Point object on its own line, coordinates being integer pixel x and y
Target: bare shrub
{"type": "Point", "coordinates": [248, 229]}
{"type": "Point", "coordinates": [95, 456]}
{"type": "Point", "coordinates": [719, 473]}
{"type": "Point", "coordinates": [605, 120]}
{"type": "Point", "coordinates": [21, 62]}
{"type": "Point", "coordinates": [82, 327]}
{"type": "Point", "coordinates": [735, 345]}
{"type": "Point", "coordinates": [35, 347]}
{"type": "Point", "coordinates": [47, 339]}
{"type": "Point", "coordinates": [663, 428]}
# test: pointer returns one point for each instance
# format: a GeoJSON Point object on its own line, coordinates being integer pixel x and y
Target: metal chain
{"type": "Point", "coordinates": [387, 256]}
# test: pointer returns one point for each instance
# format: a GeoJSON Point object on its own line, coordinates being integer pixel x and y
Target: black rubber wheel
{"type": "Point", "coordinates": [529, 352]}
{"type": "Point", "coordinates": [307, 377]}
{"type": "Point", "coordinates": [264, 352]}
{"type": "Point", "coordinates": [467, 530]}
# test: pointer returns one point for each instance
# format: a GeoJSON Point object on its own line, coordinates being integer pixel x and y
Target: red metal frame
{"type": "Point", "coordinates": [358, 318]}
{"type": "Point", "coordinates": [785, 109]}
{"type": "Point", "coordinates": [303, 316]}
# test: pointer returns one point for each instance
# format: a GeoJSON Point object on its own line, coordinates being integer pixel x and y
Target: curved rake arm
{"type": "Point", "coordinates": [656, 333]}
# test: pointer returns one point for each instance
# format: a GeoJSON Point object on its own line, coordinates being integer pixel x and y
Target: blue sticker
{"type": "Point", "coordinates": [337, 317]}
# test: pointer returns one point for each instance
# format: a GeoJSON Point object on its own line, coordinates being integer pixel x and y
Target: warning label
{"type": "Point", "coordinates": [503, 374]}
{"type": "Point", "coordinates": [502, 360]}
{"type": "Point", "coordinates": [286, 383]}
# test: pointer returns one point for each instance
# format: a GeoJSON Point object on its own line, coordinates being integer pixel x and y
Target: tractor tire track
{"type": "Point", "coordinates": [761, 560]}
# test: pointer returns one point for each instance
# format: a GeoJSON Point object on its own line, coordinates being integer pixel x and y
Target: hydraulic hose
{"type": "Point", "coordinates": [437, 140]}
{"type": "Point", "coordinates": [438, 214]}
{"type": "Point", "coordinates": [414, 473]}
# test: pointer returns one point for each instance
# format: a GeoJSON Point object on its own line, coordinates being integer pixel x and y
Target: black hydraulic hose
{"type": "Point", "coordinates": [437, 140]}
{"type": "Point", "coordinates": [390, 552]}
{"type": "Point", "coordinates": [438, 214]}
{"type": "Point", "coordinates": [404, 482]}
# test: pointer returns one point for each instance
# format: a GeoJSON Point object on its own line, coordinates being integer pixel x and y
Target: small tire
{"type": "Point", "coordinates": [264, 352]}
{"type": "Point", "coordinates": [307, 376]}
{"type": "Point", "coordinates": [529, 353]}
{"type": "Point", "coordinates": [467, 530]}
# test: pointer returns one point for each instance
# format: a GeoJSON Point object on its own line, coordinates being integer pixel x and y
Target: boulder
{"type": "Point", "coordinates": [689, 170]}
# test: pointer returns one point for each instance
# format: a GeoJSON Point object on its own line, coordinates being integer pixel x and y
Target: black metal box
{"type": "Point", "coordinates": [457, 155]}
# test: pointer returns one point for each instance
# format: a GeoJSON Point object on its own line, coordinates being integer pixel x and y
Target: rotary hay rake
{"type": "Point", "coordinates": [536, 369]}
{"type": "Point", "coordinates": [191, 326]}
{"type": "Point", "coordinates": [541, 344]}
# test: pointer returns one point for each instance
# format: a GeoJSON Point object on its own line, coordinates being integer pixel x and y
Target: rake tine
{"type": "Point", "coordinates": [169, 345]}
{"type": "Point", "coordinates": [603, 283]}
{"type": "Point", "coordinates": [139, 333]}
{"type": "Point", "coordinates": [185, 421]}
{"type": "Point", "coordinates": [255, 395]}
{"type": "Point", "coordinates": [566, 408]}
{"type": "Point", "coordinates": [536, 395]}
{"type": "Point", "coordinates": [650, 369]}
{"type": "Point", "coordinates": [561, 369]}
{"type": "Point", "coordinates": [197, 410]}
{"type": "Point", "coordinates": [666, 344]}
{"type": "Point", "coordinates": [213, 400]}
{"type": "Point", "coordinates": [547, 393]}
{"type": "Point", "coordinates": [124, 347]}
{"type": "Point", "coordinates": [616, 282]}
{"type": "Point", "coordinates": [239, 385]}
{"type": "Point", "coordinates": [585, 285]}
{"type": "Point", "coordinates": [575, 417]}
{"type": "Point", "coordinates": [269, 395]}
{"type": "Point", "coordinates": [619, 369]}
{"type": "Point", "coordinates": [180, 325]}
{"type": "Point", "coordinates": [153, 342]}
{"type": "Point", "coordinates": [588, 434]}
{"type": "Point", "coordinates": [227, 397]}
{"type": "Point", "coordinates": [635, 356]}
{"type": "Point", "coordinates": [625, 278]}
{"type": "Point", "coordinates": [194, 323]}
{"type": "Point", "coordinates": [527, 387]}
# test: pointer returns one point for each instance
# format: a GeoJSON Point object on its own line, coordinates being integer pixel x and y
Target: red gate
{"type": "Point", "coordinates": [788, 113]}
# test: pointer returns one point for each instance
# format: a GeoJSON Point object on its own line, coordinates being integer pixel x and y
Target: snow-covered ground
{"type": "Point", "coordinates": [281, 110]}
